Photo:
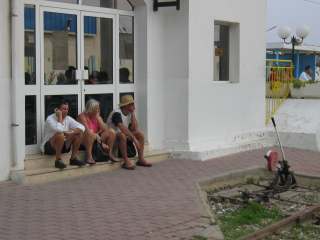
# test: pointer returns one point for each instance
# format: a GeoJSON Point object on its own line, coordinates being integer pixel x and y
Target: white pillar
{"type": "Point", "coordinates": [17, 96]}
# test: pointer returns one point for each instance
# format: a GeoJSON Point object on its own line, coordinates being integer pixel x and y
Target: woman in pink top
{"type": "Point", "coordinates": [96, 130]}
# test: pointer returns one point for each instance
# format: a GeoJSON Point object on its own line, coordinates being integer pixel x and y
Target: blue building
{"type": "Point", "coordinates": [304, 55]}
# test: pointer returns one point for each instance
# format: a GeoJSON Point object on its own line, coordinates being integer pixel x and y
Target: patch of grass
{"type": "Point", "coordinates": [247, 220]}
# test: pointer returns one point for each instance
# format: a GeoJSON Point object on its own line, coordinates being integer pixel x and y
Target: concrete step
{"type": "Point", "coordinates": [39, 175]}
{"type": "Point", "coordinates": [41, 161]}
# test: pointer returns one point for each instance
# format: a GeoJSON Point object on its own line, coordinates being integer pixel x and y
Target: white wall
{"type": "Point", "coordinates": [167, 84]}
{"type": "Point", "coordinates": [141, 66]}
{"type": "Point", "coordinates": [220, 112]}
{"type": "Point", "coordinates": [5, 76]}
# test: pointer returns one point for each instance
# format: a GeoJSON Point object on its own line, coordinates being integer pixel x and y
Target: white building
{"type": "Point", "coordinates": [197, 73]}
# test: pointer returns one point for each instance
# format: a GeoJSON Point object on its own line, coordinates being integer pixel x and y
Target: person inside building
{"type": "Point", "coordinates": [70, 75]}
{"type": "Point", "coordinates": [124, 75]}
{"type": "Point", "coordinates": [61, 133]}
{"type": "Point", "coordinates": [306, 75]}
{"type": "Point", "coordinates": [96, 131]}
{"type": "Point", "coordinates": [317, 73]}
{"type": "Point", "coordinates": [125, 124]}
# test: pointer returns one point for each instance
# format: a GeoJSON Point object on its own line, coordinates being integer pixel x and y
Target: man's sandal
{"type": "Point", "coordinates": [143, 164]}
{"type": "Point", "coordinates": [124, 166]}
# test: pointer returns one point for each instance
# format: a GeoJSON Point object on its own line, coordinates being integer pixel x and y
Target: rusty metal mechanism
{"type": "Point", "coordinates": [282, 181]}
{"type": "Point", "coordinates": [284, 178]}
{"type": "Point", "coordinates": [157, 4]}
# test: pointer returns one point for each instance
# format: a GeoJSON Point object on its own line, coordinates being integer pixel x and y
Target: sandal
{"type": "Point", "coordinates": [143, 164]}
{"type": "Point", "coordinates": [113, 159]}
{"type": "Point", "coordinates": [124, 166]}
{"type": "Point", "coordinates": [91, 162]}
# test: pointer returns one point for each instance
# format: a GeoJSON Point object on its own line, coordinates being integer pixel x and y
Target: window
{"type": "Point", "coordinates": [126, 49]}
{"type": "Point", "coordinates": [117, 4]}
{"type": "Point", "coordinates": [226, 51]}
{"type": "Point", "coordinates": [31, 119]}
{"type": "Point", "coordinates": [65, 1]}
{"type": "Point", "coordinates": [29, 45]}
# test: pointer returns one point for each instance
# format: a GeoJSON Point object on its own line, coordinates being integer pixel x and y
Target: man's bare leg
{"type": "Point", "coordinates": [140, 137]}
{"type": "Point", "coordinates": [76, 140]}
{"type": "Point", "coordinates": [108, 137]}
{"type": "Point", "coordinates": [123, 149]}
{"type": "Point", "coordinates": [57, 142]}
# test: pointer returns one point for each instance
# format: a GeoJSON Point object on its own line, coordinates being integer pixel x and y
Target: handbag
{"type": "Point", "coordinates": [98, 153]}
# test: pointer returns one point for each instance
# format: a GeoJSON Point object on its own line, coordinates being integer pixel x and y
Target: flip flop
{"type": "Point", "coordinates": [114, 160]}
{"type": "Point", "coordinates": [124, 166]}
{"type": "Point", "coordinates": [143, 164]}
{"type": "Point", "coordinates": [91, 163]}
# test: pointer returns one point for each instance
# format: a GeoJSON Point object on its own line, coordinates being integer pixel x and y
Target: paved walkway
{"type": "Point", "coordinates": [157, 203]}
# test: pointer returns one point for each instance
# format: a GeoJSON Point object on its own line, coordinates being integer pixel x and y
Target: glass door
{"type": "Point", "coordinates": [60, 65]}
{"type": "Point", "coordinates": [98, 48]}
{"type": "Point", "coordinates": [84, 55]}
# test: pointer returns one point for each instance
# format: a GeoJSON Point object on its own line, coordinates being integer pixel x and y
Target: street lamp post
{"type": "Point", "coordinates": [301, 33]}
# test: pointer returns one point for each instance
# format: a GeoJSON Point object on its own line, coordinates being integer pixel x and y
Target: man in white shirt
{"type": "Point", "coordinates": [306, 74]}
{"type": "Point", "coordinates": [317, 73]}
{"type": "Point", "coordinates": [61, 132]}
{"type": "Point", "coordinates": [125, 124]}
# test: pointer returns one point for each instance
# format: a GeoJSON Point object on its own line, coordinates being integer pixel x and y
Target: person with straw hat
{"type": "Point", "coordinates": [124, 122]}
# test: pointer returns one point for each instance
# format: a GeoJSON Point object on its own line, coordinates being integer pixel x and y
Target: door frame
{"type": "Point", "coordinates": [40, 89]}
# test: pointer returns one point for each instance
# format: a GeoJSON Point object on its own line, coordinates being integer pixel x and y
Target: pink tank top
{"type": "Point", "coordinates": [93, 124]}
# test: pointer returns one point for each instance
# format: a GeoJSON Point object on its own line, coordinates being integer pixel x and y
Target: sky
{"type": "Point", "coordinates": [294, 13]}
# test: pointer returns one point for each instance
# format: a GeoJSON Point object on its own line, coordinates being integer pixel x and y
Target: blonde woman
{"type": "Point", "coordinates": [96, 130]}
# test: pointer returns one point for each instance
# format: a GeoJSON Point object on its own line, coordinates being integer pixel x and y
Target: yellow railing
{"type": "Point", "coordinates": [279, 76]}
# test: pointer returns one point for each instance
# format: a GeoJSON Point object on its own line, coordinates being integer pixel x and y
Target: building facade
{"type": "Point", "coordinates": [304, 55]}
{"type": "Point", "coordinates": [197, 71]}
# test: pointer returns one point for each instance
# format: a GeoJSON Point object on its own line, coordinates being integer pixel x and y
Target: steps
{"type": "Point", "coordinates": [40, 168]}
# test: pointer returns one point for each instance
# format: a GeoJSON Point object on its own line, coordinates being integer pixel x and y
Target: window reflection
{"type": "Point", "coordinates": [29, 45]}
{"type": "Point", "coordinates": [98, 49]}
{"type": "Point", "coordinates": [60, 48]}
{"type": "Point", "coordinates": [126, 49]}
{"type": "Point", "coordinates": [125, 93]}
{"type": "Point", "coordinates": [31, 119]}
{"type": "Point", "coordinates": [65, 1]}
{"type": "Point", "coordinates": [221, 59]}
{"type": "Point", "coordinates": [52, 101]}
{"type": "Point", "coordinates": [117, 4]}
{"type": "Point", "coordinates": [106, 103]}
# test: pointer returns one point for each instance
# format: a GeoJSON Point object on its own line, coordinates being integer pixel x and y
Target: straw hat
{"type": "Point", "coordinates": [126, 100]}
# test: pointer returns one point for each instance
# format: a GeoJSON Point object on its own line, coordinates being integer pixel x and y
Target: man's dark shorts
{"type": "Point", "coordinates": [49, 150]}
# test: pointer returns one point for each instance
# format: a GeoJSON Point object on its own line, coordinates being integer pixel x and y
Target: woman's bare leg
{"type": "Point", "coordinates": [108, 137]}
{"type": "Point", "coordinates": [88, 140]}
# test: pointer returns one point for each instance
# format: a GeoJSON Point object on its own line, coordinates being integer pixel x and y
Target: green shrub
{"type": "Point", "coordinates": [298, 83]}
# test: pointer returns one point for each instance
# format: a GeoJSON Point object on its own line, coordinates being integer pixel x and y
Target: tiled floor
{"type": "Point", "coordinates": [149, 203]}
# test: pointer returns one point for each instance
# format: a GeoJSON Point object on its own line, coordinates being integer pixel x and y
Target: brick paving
{"type": "Point", "coordinates": [149, 203]}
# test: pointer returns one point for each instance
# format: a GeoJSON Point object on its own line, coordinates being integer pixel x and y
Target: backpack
{"type": "Point", "coordinates": [131, 150]}
{"type": "Point", "coordinates": [98, 153]}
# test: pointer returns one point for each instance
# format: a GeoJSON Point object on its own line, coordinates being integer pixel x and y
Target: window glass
{"type": "Point", "coordinates": [106, 103]}
{"type": "Point", "coordinates": [31, 119]}
{"type": "Point", "coordinates": [52, 101]}
{"type": "Point", "coordinates": [64, 1]}
{"type": "Point", "coordinates": [221, 52]}
{"type": "Point", "coordinates": [29, 45]}
{"type": "Point", "coordinates": [126, 49]}
{"type": "Point", "coordinates": [125, 93]}
{"type": "Point", "coordinates": [60, 48]}
{"type": "Point", "coordinates": [98, 49]}
{"type": "Point", "coordinates": [117, 4]}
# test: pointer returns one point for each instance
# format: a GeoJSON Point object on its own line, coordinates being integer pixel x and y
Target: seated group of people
{"type": "Point", "coordinates": [62, 133]}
